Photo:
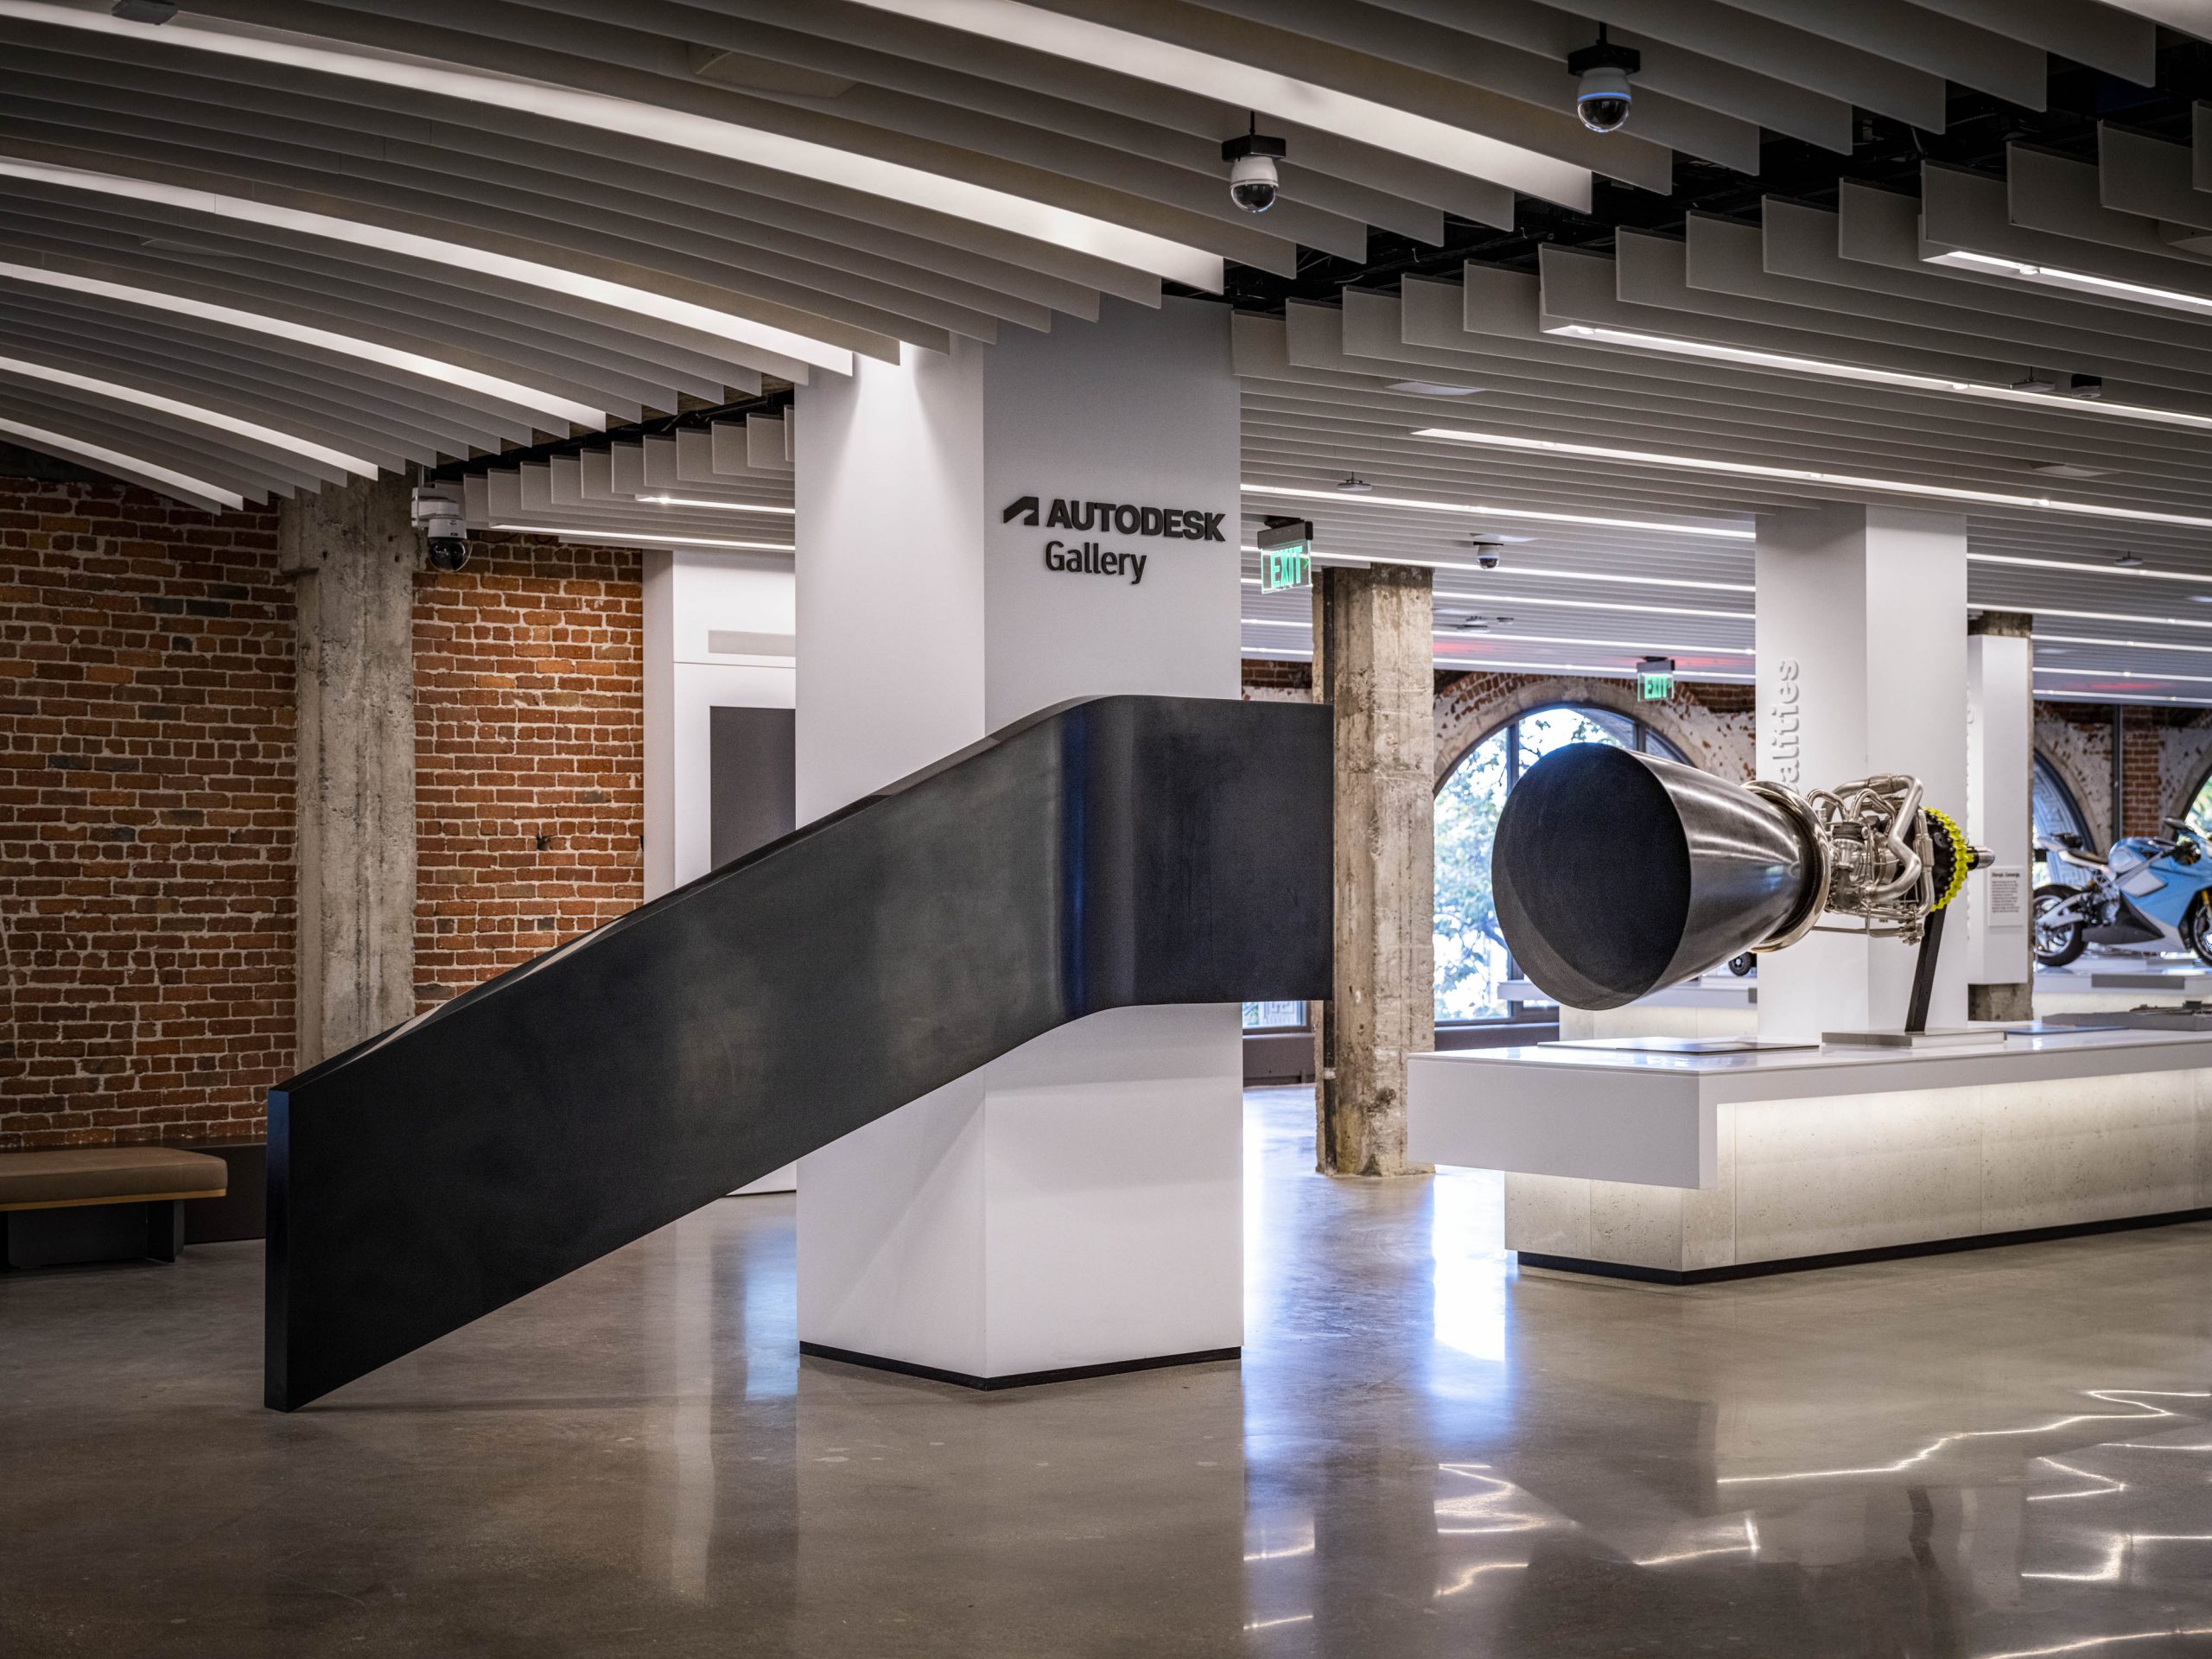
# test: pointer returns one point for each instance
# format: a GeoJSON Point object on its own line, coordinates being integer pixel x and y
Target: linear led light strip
{"type": "Point", "coordinates": [2082, 281]}
{"type": "Point", "coordinates": [1058, 226]}
{"type": "Point", "coordinates": [1249, 86]}
{"type": "Point", "coordinates": [1811, 365]}
{"type": "Point", "coordinates": [1464, 510]}
{"type": "Point", "coordinates": [719, 506]}
{"type": "Point", "coordinates": [1595, 605]}
{"type": "Point", "coordinates": [1525, 639]}
{"type": "Point", "coordinates": [184, 483]}
{"type": "Point", "coordinates": [211, 417]}
{"type": "Point", "coordinates": [2121, 645]}
{"type": "Point", "coordinates": [605, 533]}
{"type": "Point", "coordinates": [530, 273]}
{"type": "Point", "coordinates": [2119, 616]}
{"type": "Point", "coordinates": [2137, 574]}
{"type": "Point", "coordinates": [430, 368]}
{"type": "Point", "coordinates": [1805, 475]}
{"type": "Point", "coordinates": [1614, 671]}
{"type": "Point", "coordinates": [2129, 674]}
{"type": "Point", "coordinates": [1361, 561]}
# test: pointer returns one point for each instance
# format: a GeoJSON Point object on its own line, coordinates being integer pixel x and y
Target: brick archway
{"type": "Point", "coordinates": [1472, 708]}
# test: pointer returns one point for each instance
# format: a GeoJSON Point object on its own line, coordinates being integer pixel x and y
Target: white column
{"type": "Point", "coordinates": [719, 633]}
{"type": "Point", "coordinates": [2000, 783]}
{"type": "Point", "coordinates": [1862, 642]}
{"type": "Point", "coordinates": [1077, 1203]}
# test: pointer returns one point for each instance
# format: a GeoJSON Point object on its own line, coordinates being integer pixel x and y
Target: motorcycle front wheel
{"type": "Point", "coordinates": [2058, 943]}
{"type": "Point", "coordinates": [2196, 930]}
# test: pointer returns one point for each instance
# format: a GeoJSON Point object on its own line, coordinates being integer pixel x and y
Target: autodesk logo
{"type": "Point", "coordinates": [1174, 524]}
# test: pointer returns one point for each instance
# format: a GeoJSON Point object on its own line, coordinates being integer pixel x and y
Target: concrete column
{"type": "Point", "coordinates": [1373, 663]}
{"type": "Point", "coordinates": [2001, 814]}
{"type": "Point", "coordinates": [1862, 669]}
{"type": "Point", "coordinates": [352, 553]}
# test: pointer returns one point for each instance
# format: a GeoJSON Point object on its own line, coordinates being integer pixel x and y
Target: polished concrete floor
{"type": "Point", "coordinates": [2002, 1453]}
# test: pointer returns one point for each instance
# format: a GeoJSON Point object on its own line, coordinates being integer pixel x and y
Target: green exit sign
{"type": "Point", "coordinates": [1655, 679]}
{"type": "Point", "coordinates": [1285, 567]}
{"type": "Point", "coordinates": [1286, 555]}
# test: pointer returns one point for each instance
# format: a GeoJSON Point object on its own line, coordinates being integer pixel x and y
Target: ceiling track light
{"type": "Point", "coordinates": [1355, 485]}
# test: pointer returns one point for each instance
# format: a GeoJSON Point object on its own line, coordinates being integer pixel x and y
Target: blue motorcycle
{"type": "Point", "coordinates": [2146, 897]}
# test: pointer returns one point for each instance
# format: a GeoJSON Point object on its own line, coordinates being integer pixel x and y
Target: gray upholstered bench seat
{"type": "Point", "coordinates": [143, 1189]}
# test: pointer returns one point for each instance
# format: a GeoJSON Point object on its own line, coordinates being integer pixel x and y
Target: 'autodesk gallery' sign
{"type": "Point", "coordinates": [1109, 518]}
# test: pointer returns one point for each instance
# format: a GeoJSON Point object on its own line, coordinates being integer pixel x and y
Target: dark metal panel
{"type": "Point", "coordinates": [1124, 851]}
{"type": "Point", "coordinates": [753, 782]}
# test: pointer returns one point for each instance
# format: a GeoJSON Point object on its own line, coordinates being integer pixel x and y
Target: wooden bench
{"type": "Point", "coordinates": [121, 1202]}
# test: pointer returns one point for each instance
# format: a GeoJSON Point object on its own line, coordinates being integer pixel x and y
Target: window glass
{"type": "Point", "coordinates": [2056, 814]}
{"type": "Point", "coordinates": [1470, 954]}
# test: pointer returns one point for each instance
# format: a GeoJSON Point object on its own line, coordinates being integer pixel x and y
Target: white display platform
{"type": "Point", "coordinates": [2090, 986]}
{"type": "Point", "coordinates": [1719, 1004]}
{"type": "Point", "coordinates": [1670, 1165]}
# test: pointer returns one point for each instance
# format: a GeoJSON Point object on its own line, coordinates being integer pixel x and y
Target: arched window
{"type": "Point", "coordinates": [1470, 954]}
{"type": "Point", "coordinates": [2056, 813]}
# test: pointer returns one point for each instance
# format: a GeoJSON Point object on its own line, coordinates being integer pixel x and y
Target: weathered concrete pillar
{"type": "Point", "coordinates": [1373, 663]}
{"type": "Point", "coordinates": [351, 554]}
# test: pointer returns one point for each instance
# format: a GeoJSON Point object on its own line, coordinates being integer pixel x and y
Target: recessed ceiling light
{"type": "Point", "coordinates": [2068, 469]}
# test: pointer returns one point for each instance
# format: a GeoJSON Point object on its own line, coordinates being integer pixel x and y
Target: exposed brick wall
{"type": "Point", "coordinates": [146, 818]}
{"type": "Point", "coordinates": [530, 755]}
{"type": "Point", "coordinates": [1276, 679]}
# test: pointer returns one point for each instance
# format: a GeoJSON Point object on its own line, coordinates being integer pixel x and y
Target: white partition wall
{"type": "Point", "coordinates": [2001, 762]}
{"type": "Point", "coordinates": [1862, 669]}
{"type": "Point", "coordinates": [1077, 1203]}
{"type": "Point", "coordinates": [718, 633]}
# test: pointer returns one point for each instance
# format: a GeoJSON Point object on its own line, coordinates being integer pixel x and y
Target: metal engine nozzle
{"type": "Point", "coordinates": [1616, 873]}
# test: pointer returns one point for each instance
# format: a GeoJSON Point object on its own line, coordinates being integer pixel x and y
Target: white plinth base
{"type": "Point", "coordinates": [1076, 1206]}
{"type": "Point", "coordinates": [1685, 1167]}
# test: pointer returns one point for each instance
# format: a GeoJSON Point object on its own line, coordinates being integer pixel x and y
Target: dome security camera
{"type": "Point", "coordinates": [445, 528]}
{"type": "Point", "coordinates": [1487, 554]}
{"type": "Point", "coordinates": [1253, 184]}
{"type": "Point", "coordinates": [1603, 97]}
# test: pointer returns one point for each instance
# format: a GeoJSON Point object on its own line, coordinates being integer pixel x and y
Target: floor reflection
{"type": "Point", "coordinates": [1990, 1456]}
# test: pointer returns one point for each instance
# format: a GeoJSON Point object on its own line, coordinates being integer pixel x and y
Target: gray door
{"type": "Point", "coordinates": [754, 781]}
